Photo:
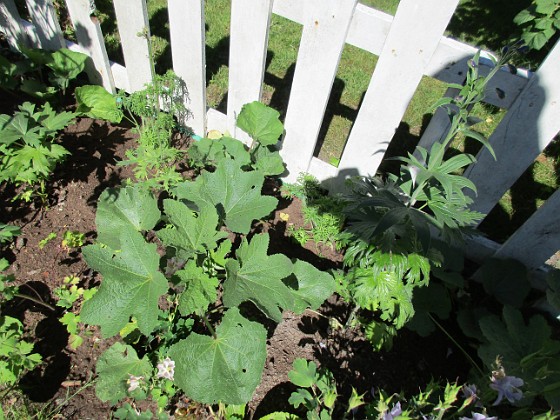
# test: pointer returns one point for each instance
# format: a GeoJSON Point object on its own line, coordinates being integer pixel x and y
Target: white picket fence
{"type": "Point", "coordinates": [409, 45]}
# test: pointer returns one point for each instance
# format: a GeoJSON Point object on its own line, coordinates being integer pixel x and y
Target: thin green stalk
{"type": "Point", "coordinates": [470, 359]}
{"type": "Point", "coordinates": [210, 327]}
{"type": "Point", "coordinates": [37, 301]}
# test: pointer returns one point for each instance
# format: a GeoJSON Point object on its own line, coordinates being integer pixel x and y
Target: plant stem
{"type": "Point", "coordinates": [352, 316]}
{"type": "Point", "coordinates": [470, 359]}
{"type": "Point", "coordinates": [210, 327]}
{"type": "Point", "coordinates": [37, 301]}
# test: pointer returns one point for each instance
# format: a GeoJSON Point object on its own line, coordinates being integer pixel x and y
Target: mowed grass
{"type": "Point", "coordinates": [475, 21]}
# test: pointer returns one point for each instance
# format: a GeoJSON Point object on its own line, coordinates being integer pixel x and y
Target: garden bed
{"type": "Point", "coordinates": [62, 379]}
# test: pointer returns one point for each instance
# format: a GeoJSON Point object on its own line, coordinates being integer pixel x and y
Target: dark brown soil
{"type": "Point", "coordinates": [73, 193]}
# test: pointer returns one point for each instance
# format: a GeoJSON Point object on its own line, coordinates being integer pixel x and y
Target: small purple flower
{"type": "Point", "coordinates": [395, 412]}
{"type": "Point", "coordinates": [507, 386]}
{"type": "Point", "coordinates": [479, 416]}
{"type": "Point", "coordinates": [470, 392]}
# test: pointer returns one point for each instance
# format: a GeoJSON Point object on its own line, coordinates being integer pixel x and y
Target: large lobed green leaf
{"type": "Point", "coordinates": [114, 368]}
{"type": "Point", "coordinates": [311, 286]}
{"type": "Point", "coordinates": [132, 285]}
{"type": "Point", "coordinates": [200, 289]}
{"type": "Point", "coordinates": [261, 122]}
{"type": "Point", "coordinates": [120, 209]}
{"type": "Point", "coordinates": [257, 277]}
{"type": "Point", "coordinates": [224, 368]}
{"type": "Point", "coordinates": [191, 232]}
{"type": "Point", "coordinates": [235, 194]}
{"type": "Point", "coordinates": [96, 102]}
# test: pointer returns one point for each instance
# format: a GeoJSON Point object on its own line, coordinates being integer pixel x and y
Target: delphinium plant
{"type": "Point", "coordinates": [183, 297]}
{"type": "Point", "coordinates": [390, 247]}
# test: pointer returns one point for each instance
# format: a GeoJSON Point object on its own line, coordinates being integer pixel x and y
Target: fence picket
{"type": "Point", "coordinates": [186, 27]}
{"type": "Point", "coordinates": [90, 38]}
{"type": "Point", "coordinates": [132, 21]}
{"type": "Point", "coordinates": [323, 38]}
{"type": "Point", "coordinates": [396, 77]}
{"type": "Point", "coordinates": [10, 22]}
{"type": "Point", "coordinates": [46, 24]}
{"type": "Point", "coordinates": [249, 25]}
{"type": "Point", "coordinates": [539, 237]}
{"type": "Point", "coordinates": [530, 124]}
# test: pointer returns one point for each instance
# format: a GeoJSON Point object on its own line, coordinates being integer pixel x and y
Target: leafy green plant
{"type": "Point", "coordinates": [263, 126]}
{"type": "Point", "coordinates": [50, 237]}
{"type": "Point", "coordinates": [316, 393]}
{"type": "Point", "coordinates": [539, 22]}
{"type": "Point", "coordinates": [28, 151]}
{"type": "Point", "coordinates": [391, 222]}
{"type": "Point", "coordinates": [16, 354]}
{"type": "Point", "coordinates": [73, 239]}
{"type": "Point", "coordinates": [322, 214]}
{"type": "Point", "coordinates": [42, 73]}
{"type": "Point", "coordinates": [223, 360]}
{"type": "Point", "coordinates": [155, 158]}
{"type": "Point", "coordinates": [434, 402]}
{"type": "Point", "coordinates": [8, 232]}
{"type": "Point", "coordinates": [523, 349]}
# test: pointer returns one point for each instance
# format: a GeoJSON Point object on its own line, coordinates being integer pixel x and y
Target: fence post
{"type": "Point", "coordinates": [186, 27]}
{"type": "Point", "coordinates": [250, 21]}
{"type": "Point", "coordinates": [395, 79]}
{"type": "Point", "coordinates": [46, 24]}
{"type": "Point", "coordinates": [90, 38]}
{"type": "Point", "coordinates": [326, 24]}
{"type": "Point", "coordinates": [132, 21]}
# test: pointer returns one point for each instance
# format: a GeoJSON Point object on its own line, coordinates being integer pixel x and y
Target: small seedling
{"type": "Point", "coordinates": [73, 239]}
{"type": "Point", "coordinates": [44, 242]}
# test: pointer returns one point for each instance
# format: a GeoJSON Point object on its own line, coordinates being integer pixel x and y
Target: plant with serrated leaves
{"type": "Point", "coordinates": [28, 149]}
{"type": "Point", "coordinates": [42, 73]}
{"type": "Point", "coordinates": [539, 22]}
{"type": "Point", "coordinates": [263, 125]}
{"type": "Point", "coordinates": [8, 232]}
{"type": "Point", "coordinates": [73, 239]}
{"type": "Point", "coordinates": [16, 354]}
{"type": "Point", "coordinates": [392, 223]}
{"type": "Point", "coordinates": [316, 393]}
{"type": "Point", "coordinates": [223, 360]}
{"type": "Point", "coordinates": [156, 112]}
{"type": "Point", "coordinates": [434, 402]}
